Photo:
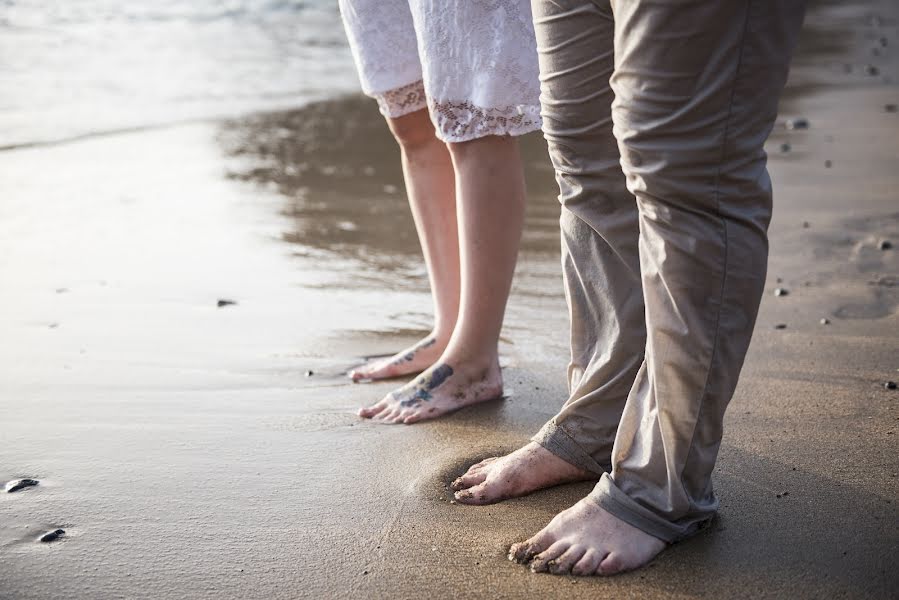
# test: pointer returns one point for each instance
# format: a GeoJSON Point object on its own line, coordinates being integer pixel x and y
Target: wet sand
{"type": "Point", "coordinates": [187, 451]}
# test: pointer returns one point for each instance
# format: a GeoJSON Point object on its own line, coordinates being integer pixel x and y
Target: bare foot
{"type": "Point", "coordinates": [526, 470]}
{"type": "Point", "coordinates": [439, 390]}
{"type": "Point", "coordinates": [413, 359]}
{"type": "Point", "coordinates": [586, 540]}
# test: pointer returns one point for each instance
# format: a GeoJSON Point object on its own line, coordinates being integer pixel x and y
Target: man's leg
{"type": "Point", "coordinates": [599, 223]}
{"type": "Point", "coordinates": [696, 89]}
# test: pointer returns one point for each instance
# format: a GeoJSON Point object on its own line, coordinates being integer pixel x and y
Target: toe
{"type": "Point", "coordinates": [373, 410]}
{"type": "Point", "coordinates": [393, 416]}
{"type": "Point", "coordinates": [541, 562]}
{"type": "Point", "coordinates": [476, 494]}
{"type": "Point", "coordinates": [525, 551]}
{"type": "Point", "coordinates": [563, 564]}
{"type": "Point", "coordinates": [404, 415]}
{"type": "Point", "coordinates": [387, 414]}
{"type": "Point", "coordinates": [611, 565]}
{"type": "Point", "coordinates": [413, 417]}
{"type": "Point", "coordinates": [587, 564]}
{"type": "Point", "coordinates": [471, 478]}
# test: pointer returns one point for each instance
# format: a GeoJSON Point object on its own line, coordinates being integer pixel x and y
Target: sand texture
{"type": "Point", "coordinates": [190, 450]}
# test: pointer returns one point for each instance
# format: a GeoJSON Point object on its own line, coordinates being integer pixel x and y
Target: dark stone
{"type": "Point", "coordinates": [52, 536]}
{"type": "Point", "coordinates": [784, 147]}
{"type": "Point", "coordinates": [890, 108]}
{"type": "Point", "coordinates": [309, 373]}
{"type": "Point", "coordinates": [890, 385]}
{"type": "Point", "coordinates": [885, 244]}
{"type": "Point", "coordinates": [781, 291]}
{"type": "Point", "coordinates": [20, 484]}
{"type": "Point", "coordinates": [825, 321]}
{"type": "Point", "coordinates": [223, 302]}
{"type": "Point", "coordinates": [780, 326]}
{"type": "Point", "coordinates": [806, 224]}
{"type": "Point", "coordinates": [872, 70]}
{"type": "Point", "coordinates": [798, 123]}
{"type": "Point", "coordinates": [827, 164]}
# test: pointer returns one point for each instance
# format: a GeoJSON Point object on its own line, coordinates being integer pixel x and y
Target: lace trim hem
{"type": "Point", "coordinates": [402, 100]}
{"type": "Point", "coordinates": [463, 121]}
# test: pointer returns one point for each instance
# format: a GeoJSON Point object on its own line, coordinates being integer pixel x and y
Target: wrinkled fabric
{"type": "Point", "coordinates": [656, 113]}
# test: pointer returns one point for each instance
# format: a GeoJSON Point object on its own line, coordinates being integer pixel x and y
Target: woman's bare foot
{"type": "Point", "coordinates": [526, 470]}
{"type": "Point", "coordinates": [413, 359]}
{"type": "Point", "coordinates": [444, 388]}
{"type": "Point", "coordinates": [586, 540]}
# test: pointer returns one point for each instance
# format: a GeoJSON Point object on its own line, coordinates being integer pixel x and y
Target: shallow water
{"type": "Point", "coordinates": [70, 68]}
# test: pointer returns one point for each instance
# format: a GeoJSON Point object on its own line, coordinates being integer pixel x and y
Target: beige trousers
{"type": "Point", "coordinates": [656, 113]}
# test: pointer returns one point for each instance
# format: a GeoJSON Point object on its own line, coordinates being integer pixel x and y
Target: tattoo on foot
{"type": "Point", "coordinates": [440, 374]}
{"type": "Point", "coordinates": [411, 353]}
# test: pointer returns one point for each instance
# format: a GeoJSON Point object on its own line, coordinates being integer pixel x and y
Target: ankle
{"type": "Point", "coordinates": [485, 361]}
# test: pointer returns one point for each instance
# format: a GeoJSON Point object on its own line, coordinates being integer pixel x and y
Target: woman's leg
{"type": "Point", "coordinates": [428, 172]}
{"type": "Point", "coordinates": [490, 212]}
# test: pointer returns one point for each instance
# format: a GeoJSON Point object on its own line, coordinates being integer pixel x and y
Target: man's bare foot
{"type": "Point", "coordinates": [526, 470]}
{"type": "Point", "coordinates": [586, 540]}
{"type": "Point", "coordinates": [413, 359]}
{"type": "Point", "coordinates": [445, 387]}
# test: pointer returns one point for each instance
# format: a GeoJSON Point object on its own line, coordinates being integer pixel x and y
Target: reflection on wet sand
{"type": "Point", "coordinates": [338, 169]}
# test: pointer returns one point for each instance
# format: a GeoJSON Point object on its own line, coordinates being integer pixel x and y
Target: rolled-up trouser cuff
{"type": "Point", "coordinates": [556, 440]}
{"type": "Point", "coordinates": [608, 496]}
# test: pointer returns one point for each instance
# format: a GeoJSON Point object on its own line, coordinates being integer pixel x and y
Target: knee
{"type": "Point", "coordinates": [413, 131]}
{"type": "Point", "coordinates": [483, 149]}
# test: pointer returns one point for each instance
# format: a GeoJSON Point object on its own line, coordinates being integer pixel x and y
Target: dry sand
{"type": "Point", "coordinates": [187, 454]}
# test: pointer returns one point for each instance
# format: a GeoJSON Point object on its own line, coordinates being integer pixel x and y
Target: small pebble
{"type": "Point", "coordinates": [783, 494]}
{"type": "Point", "coordinates": [365, 572]}
{"type": "Point", "coordinates": [825, 321]}
{"type": "Point", "coordinates": [827, 164]}
{"type": "Point", "coordinates": [799, 123]}
{"type": "Point", "coordinates": [309, 373]}
{"type": "Point", "coordinates": [806, 224]}
{"type": "Point", "coordinates": [890, 385]}
{"type": "Point", "coordinates": [223, 302]}
{"type": "Point", "coordinates": [781, 291]}
{"type": "Point", "coordinates": [784, 147]}
{"type": "Point", "coordinates": [890, 108]}
{"type": "Point", "coordinates": [780, 326]}
{"type": "Point", "coordinates": [872, 70]}
{"type": "Point", "coordinates": [885, 244]}
{"type": "Point", "coordinates": [884, 42]}
{"type": "Point", "coordinates": [62, 290]}
{"type": "Point", "coordinates": [20, 484]}
{"type": "Point", "coordinates": [52, 536]}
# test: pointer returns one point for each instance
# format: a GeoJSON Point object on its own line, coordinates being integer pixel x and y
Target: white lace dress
{"type": "Point", "coordinates": [473, 63]}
